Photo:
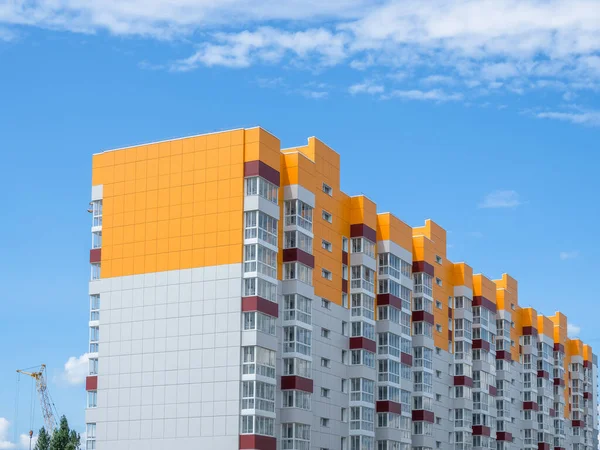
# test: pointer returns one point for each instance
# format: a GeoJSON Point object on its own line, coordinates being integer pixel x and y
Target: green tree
{"type": "Point", "coordinates": [43, 440]}
{"type": "Point", "coordinates": [64, 438]}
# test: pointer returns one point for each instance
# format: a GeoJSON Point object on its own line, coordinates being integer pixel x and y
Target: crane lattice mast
{"type": "Point", "coordinates": [42, 390]}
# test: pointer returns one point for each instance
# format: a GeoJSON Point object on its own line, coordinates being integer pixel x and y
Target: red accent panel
{"type": "Point", "coordinates": [259, 168]}
{"type": "Point", "coordinates": [479, 300]}
{"type": "Point", "coordinates": [423, 415]}
{"type": "Point", "coordinates": [552, 412]}
{"type": "Point", "coordinates": [388, 406]}
{"type": "Point", "coordinates": [389, 299]}
{"type": "Point", "coordinates": [492, 390]}
{"type": "Point", "coordinates": [423, 266]}
{"type": "Point", "coordinates": [91, 383]}
{"type": "Point", "coordinates": [449, 313]}
{"type": "Point", "coordinates": [95, 255]}
{"type": "Point", "coordinates": [530, 331]}
{"type": "Point", "coordinates": [449, 335]}
{"type": "Point", "coordinates": [295, 254]}
{"type": "Point", "coordinates": [559, 382]}
{"type": "Point", "coordinates": [543, 446]}
{"type": "Point", "coordinates": [344, 257]}
{"type": "Point", "coordinates": [559, 348]}
{"type": "Point", "coordinates": [503, 354]}
{"type": "Point", "coordinates": [503, 436]}
{"type": "Point", "coordinates": [418, 316]}
{"type": "Point", "coordinates": [587, 364]}
{"type": "Point", "coordinates": [344, 286]}
{"type": "Point", "coordinates": [361, 342]}
{"type": "Point", "coordinates": [480, 343]}
{"type": "Point", "coordinates": [296, 383]}
{"type": "Point", "coordinates": [360, 229]}
{"type": "Point", "coordinates": [543, 374]}
{"type": "Point", "coordinates": [530, 405]}
{"type": "Point", "coordinates": [405, 358]}
{"type": "Point", "coordinates": [577, 423]}
{"type": "Point", "coordinates": [258, 442]}
{"type": "Point", "coordinates": [461, 380]}
{"type": "Point", "coordinates": [260, 304]}
{"type": "Point", "coordinates": [480, 430]}
{"type": "Point", "coordinates": [587, 395]}
{"type": "Point", "coordinates": [559, 448]}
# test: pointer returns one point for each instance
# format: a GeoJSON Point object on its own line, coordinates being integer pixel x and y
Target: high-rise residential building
{"type": "Point", "coordinates": [240, 300]}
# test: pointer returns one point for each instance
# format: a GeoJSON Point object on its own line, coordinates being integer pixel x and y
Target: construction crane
{"type": "Point", "coordinates": [48, 408]}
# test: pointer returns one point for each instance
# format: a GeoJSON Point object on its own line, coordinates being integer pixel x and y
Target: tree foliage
{"type": "Point", "coordinates": [63, 438]}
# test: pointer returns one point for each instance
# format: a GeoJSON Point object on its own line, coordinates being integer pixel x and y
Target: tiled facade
{"type": "Point", "coordinates": [240, 300]}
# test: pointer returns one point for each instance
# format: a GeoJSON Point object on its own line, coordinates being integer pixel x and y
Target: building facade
{"type": "Point", "coordinates": [240, 300]}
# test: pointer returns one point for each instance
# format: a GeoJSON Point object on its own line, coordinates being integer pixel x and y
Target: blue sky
{"type": "Point", "coordinates": [483, 116]}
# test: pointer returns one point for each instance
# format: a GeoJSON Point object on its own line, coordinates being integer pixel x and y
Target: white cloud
{"type": "Point", "coordinates": [504, 45]}
{"type": "Point", "coordinates": [573, 330]}
{"type": "Point", "coordinates": [76, 369]}
{"type": "Point", "coordinates": [436, 95]}
{"type": "Point", "coordinates": [367, 87]}
{"type": "Point", "coordinates": [568, 255]}
{"type": "Point", "coordinates": [501, 199]}
{"type": "Point", "coordinates": [5, 443]}
{"type": "Point", "coordinates": [589, 118]}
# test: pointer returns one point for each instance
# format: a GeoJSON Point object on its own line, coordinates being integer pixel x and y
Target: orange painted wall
{"type": "Point", "coordinates": [176, 204]}
{"type": "Point", "coordinates": [390, 228]}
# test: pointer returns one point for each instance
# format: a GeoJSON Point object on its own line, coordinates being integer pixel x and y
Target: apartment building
{"type": "Point", "coordinates": [240, 300]}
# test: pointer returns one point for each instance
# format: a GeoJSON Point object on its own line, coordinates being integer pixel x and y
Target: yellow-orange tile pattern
{"type": "Point", "coordinates": [176, 204]}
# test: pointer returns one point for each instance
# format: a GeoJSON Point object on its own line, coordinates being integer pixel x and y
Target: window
{"type": "Point", "coordinates": [344, 328]}
{"type": "Point", "coordinates": [326, 245]}
{"type": "Point", "coordinates": [438, 281]}
{"type": "Point", "coordinates": [345, 244]}
{"type": "Point", "coordinates": [297, 212]}
{"type": "Point", "coordinates": [438, 259]}
{"type": "Point", "coordinates": [296, 399]}
{"type": "Point", "coordinates": [327, 189]}
{"type": "Point", "coordinates": [363, 245]}
{"type": "Point", "coordinates": [363, 329]}
{"type": "Point", "coordinates": [362, 357]}
{"type": "Point", "coordinates": [261, 187]}
{"type": "Point", "coordinates": [324, 422]}
{"type": "Point", "coordinates": [325, 333]}
{"type": "Point", "coordinates": [326, 216]}
{"type": "Point", "coordinates": [297, 366]}
{"type": "Point", "coordinates": [259, 225]}
{"type": "Point", "coordinates": [389, 344]}
{"type": "Point", "coordinates": [95, 275]}
{"type": "Point", "coordinates": [344, 357]}
{"type": "Point", "coordinates": [297, 239]}
{"type": "Point", "coordinates": [97, 239]}
{"type": "Point", "coordinates": [325, 304]}
{"type": "Point", "coordinates": [258, 321]}
{"type": "Point", "coordinates": [295, 436]}
{"type": "Point", "coordinates": [90, 432]}
{"type": "Point", "coordinates": [259, 361]}
{"type": "Point", "coordinates": [324, 392]}
{"type": "Point", "coordinates": [258, 425]}
{"type": "Point", "coordinates": [297, 271]}
{"type": "Point", "coordinates": [93, 366]}
{"type": "Point", "coordinates": [258, 395]}
{"type": "Point", "coordinates": [362, 305]}
{"type": "Point", "coordinates": [94, 307]}
{"type": "Point", "coordinates": [297, 340]}
{"type": "Point", "coordinates": [261, 288]}
{"type": "Point", "coordinates": [326, 274]}
{"type": "Point", "coordinates": [438, 328]}
{"type": "Point", "coordinates": [344, 300]}
{"type": "Point", "coordinates": [362, 278]}
{"type": "Point", "coordinates": [97, 213]}
{"type": "Point", "coordinates": [388, 370]}
{"type": "Point", "coordinates": [297, 307]}
{"type": "Point", "coordinates": [92, 399]}
{"type": "Point", "coordinates": [94, 339]}
{"type": "Point", "coordinates": [325, 362]}
{"type": "Point", "coordinates": [362, 418]}
{"type": "Point", "coordinates": [258, 258]}
{"type": "Point", "coordinates": [422, 283]}
{"type": "Point", "coordinates": [438, 304]}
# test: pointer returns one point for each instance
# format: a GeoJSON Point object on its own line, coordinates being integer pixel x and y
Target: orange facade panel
{"type": "Point", "coordinates": [462, 275]}
{"type": "Point", "coordinates": [483, 286]}
{"type": "Point", "coordinates": [363, 210]}
{"type": "Point", "coordinates": [175, 204]}
{"type": "Point", "coordinates": [390, 228]}
{"type": "Point", "coordinates": [529, 317]}
{"type": "Point", "coordinates": [545, 326]}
